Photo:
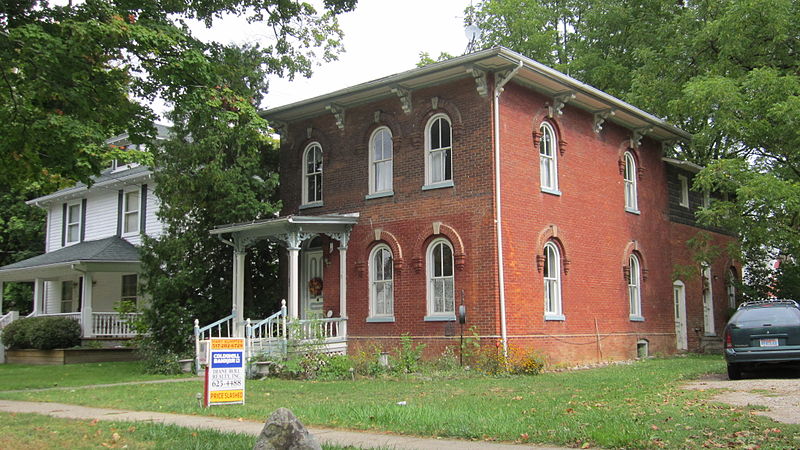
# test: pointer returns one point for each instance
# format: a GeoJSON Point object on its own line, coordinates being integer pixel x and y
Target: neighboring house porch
{"type": "Point", "coordinates": [87, 282]}
{"type": "Point", "coordinates": [302, 317]}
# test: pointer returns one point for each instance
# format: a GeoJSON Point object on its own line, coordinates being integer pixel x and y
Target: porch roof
{"type": "Point", "coordinates": [279, 226]}
{"type": "Point", "coordinates": [112, 254]}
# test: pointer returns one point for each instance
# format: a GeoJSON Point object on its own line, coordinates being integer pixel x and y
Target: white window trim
{"type": "Point", "coordinates": [429, 183]}
{"type": "Point", "coordinates": [635, 288]}
{"type": "Point", "coordinates": [305, 175]}
{"type": "Point", "coordinates": [373, 191]}
{"type": "Point", "coordinates": [551, 159]}
{"type": "Point", "coordinates": [77, 224]}
{"type": "Point", "coordinates": [433, 316]}
{"type": "Point", "coordinates": [373, 316]}
{"type": "Point", "coordinates": [558, 312]}
{"type": "Point", "coordinates": [136, 211]}
{"type": "Point", "coordinates": [630, 185]}
{"type": "Point", "coordinates": [684, 186]}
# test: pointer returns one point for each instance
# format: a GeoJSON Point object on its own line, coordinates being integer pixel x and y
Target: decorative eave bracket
{"type": "Point", "coordinates": [559, 101]}
{"type": "Point", "coordinates": [338, 114]}
{"type": "Point", "coordinates": [600, 117]}
{"type": "Point", "coordinates": [480, 80]}
{"type": "Point", "coordinates": [638, 134]}
{"type": "Point", "coordinates": [405, 98]}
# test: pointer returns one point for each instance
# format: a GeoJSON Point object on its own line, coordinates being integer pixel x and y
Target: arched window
{"type": "Point", "coordinates": [438, 152]}
{"type": "Point", "coordinates": [548, 165]}
{"type": "Point", "coordinates": [552, 282]}
{"type": "Point", "coordinates": [380, 161]}
{"type": "Point", "coordinates": [381, 284]}
{"type": "Point", "coordinates": [441, 282]}
{"type": "Point", "coordinates": [631, 200]}
{"type": "Point", "coordinates": [635, 287]}
{"type": "Point", "coordinates": [312, 174]}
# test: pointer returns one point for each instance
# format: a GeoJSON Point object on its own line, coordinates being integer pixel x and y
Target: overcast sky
{"type": "Point", "coordinates": [382, 37]}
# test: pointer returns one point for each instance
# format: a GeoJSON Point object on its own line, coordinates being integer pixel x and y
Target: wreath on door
{"type": "Point", "coordinates": [315, 286]}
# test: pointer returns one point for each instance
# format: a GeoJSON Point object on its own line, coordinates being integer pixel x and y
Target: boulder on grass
{"type": "Point", "coordinates": [283, 431]}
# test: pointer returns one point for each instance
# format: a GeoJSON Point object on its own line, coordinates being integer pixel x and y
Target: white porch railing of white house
{"type": "Point", "coordinates": [114, 324]}
{"type": "Point", "coordinates": [222, 328]}
{"type": "Point", "coordinates": [7, 318]}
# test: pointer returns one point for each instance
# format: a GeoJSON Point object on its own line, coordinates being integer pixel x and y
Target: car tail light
{"type": "Point", "coordinates": [728, 341]}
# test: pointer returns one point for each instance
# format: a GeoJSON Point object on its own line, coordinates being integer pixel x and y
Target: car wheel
{"type": "Point", "coordinates": [734, 372]}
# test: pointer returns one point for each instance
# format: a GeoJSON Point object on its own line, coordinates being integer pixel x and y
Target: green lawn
{"type": "Point", "coordinates": [19, 376]}
{"type": "Point", "coordinates": [638, 405]}
{"type": "Point", "coordinates": [33, 431]}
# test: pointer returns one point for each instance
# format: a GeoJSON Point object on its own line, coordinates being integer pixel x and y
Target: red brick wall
{"type": "Point", "coordinates": [588, 219]}
{"type": "Point", "coordinates": [465, 210]}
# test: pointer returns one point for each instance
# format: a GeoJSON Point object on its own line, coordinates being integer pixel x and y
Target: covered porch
{"type": "Point", "coordinates": [302, 316]}
{"type": "Point", "coordinates": [86, 282]}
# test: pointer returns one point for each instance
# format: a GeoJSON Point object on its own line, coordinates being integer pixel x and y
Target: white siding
{"type": "Point", "coordinates": [54, 221]}
{"type": "Point", "coordinates": [101, 214]}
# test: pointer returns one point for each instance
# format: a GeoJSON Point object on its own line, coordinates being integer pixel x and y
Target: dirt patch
{"type": "Point", "coordinates": [779, 393]}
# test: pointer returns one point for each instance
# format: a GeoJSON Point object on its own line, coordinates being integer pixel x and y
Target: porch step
{"type": "Point", "coordinates": [711, 345]}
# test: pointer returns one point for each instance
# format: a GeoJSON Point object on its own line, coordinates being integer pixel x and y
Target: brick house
{"type": "Point", "coordinates": [545, 206]}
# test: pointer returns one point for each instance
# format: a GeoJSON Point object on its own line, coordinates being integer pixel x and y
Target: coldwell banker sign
{"type": "Point", "coordinates": [225, 372]}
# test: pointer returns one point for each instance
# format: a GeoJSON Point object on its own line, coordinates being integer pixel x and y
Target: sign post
{"type": "Point", "coordinates": [224, 384]}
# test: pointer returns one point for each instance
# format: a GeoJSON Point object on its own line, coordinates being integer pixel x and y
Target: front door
{"type": "Point", "coordinates": [311, 299]}
{"type": "Point", "coordinates": [679, 299]}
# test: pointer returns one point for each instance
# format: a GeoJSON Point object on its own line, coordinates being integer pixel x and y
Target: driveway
{"type": "Point", "coordinates": [776, 389]}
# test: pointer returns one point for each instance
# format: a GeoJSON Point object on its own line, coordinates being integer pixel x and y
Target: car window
{"type": "Point", "coordinates": [757, 317]}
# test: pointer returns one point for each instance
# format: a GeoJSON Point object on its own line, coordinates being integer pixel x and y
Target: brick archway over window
{"type": "Point", "coordinates": [443, 106]}
{"type": "Point", "coordinates": [551, 233]}
{"type": "Point", "coordinates": [381, 236]}
{"type": "Point", "coordinates": [556, 124]}
{"type": "Point", "coordinates": [633, 248]}
{"type": "Point", "coordinates": [439, 229]}
{"type": "Point", "coordinates": [621, 150]}
{"type": "Point", "coordinates": [383, 120]}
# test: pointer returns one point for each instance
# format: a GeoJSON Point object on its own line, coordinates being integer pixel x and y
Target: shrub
{"type": "Point", "coordinates": [42, 333]}
{"type": "Point", "coordinates": [408, 355]}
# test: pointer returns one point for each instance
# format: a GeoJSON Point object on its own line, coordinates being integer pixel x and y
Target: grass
{"type": "Point", "coordinates": [34, 431]}
{"type": "Point", "coordinates": [640, 405]}
{"type": "Point", "coordinates": [20, 376]}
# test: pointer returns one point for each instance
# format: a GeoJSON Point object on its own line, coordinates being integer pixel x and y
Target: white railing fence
{"type": "Point", "coordinates": [268, 336]}
{"type": "Point", "coordinates": [325, 330]}
{"type": "Point", "coordinates": [224, 327]}
{"type": "Point", "coordinates": [113, 324]}
{"type": "Point", "coordinates": [7, 318]}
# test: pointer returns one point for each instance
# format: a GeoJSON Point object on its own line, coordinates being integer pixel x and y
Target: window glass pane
{"type": "Point", "coordinates": [448, 174]}
{"type": "Point", "coordinates": [387, 144]}
{"type": "Point", "coordinates": [437, 260]}
{"type": "Point", "coordinates": [438, 295]}
{"type": "Point", "coordinates": [73, 232]}
{"type": "Point", "coordinates": [132, 201]}
{"type": "Point", "coordinates": [387, 265]}
{"type": "Point", "coordinates": [377, 265]}
{"type": "Point", "coordinates": [74, 213]}
{"type": "Point", "coordinates": [436, 140]}
{"type": "Point", "coordinates": [131, 222]}
{"type": "Point", "coordinates": [447, 261]}
{"type": "Point", "coordinates": [448, 295]}
{"type": "Point", "coordinates": [436, 166]}
{"type": "Point", "coordinates": [446, 135]}
{"type": "Point", "coordinates": [545, 144]}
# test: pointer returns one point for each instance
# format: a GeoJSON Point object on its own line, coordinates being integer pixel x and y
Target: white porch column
{"type": "Point", "coordinates": [293, 244]}
{"type": "Point", "coordinates": [87, 324]}
{"type": "Point", "coordinates": [343, 238]}
{"type": "Point", "coordinates": [38, 296]}
{"type": "Point", "coordinates": [238, 290]}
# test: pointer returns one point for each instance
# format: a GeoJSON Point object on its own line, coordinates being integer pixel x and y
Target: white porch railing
{"type": "Point", "coordinates": [268, 336]}
{"type": "Point", "coordinates": [222, 328]}
{"type": "Point", "coordinates": [321, 330]}
{"type": "Point", "coordinates": [7, 318]}
{"type": "Point", "coordinates": [113, 324]}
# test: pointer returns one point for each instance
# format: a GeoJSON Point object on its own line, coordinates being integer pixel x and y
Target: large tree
{"type": "Point", "coordinates": [725, 71]}
{"type": "Point", "coordinates": [74, 73]}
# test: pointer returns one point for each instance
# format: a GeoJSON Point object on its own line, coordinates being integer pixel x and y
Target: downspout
{"type": "Point", "coordinates": [498, 89]}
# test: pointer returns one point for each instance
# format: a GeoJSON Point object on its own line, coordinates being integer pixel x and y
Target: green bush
{"type": "Point", "coordinates": [42, 333]}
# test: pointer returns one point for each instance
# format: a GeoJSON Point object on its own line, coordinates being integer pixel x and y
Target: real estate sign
{"type": "Point", "coordinates": [225, 372]}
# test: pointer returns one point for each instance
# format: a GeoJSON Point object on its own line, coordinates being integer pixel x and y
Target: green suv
{"type": "Point", "coordinates": [764, 331]}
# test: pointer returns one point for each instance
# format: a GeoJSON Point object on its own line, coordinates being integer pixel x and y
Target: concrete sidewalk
{"type": "Point", "coordinates": [326, 436]}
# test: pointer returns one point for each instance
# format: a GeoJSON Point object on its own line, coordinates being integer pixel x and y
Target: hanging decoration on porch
{"type": "Point", "coordinates": [315, 286]}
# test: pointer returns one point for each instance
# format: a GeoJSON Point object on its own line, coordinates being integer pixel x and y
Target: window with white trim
{"type": "Point", "coordinates": [381, 283]}
{"type": "Point", "coordinates": [438, 151]}
{"type": "Point", "coordinates": [130, 288]}
{"type": "Point", "coordinates": [380, 161]}
{"type": "Point", "coordinates": [548, 164]}
{"type": "Point", "coordinates": [631, 195]}
{"type": "Point", "coordinates": [684, 186]}
{"type": "Point", "coordinates": [73, 223]}
{"type": "Point", "coordinates": [552, 282]}
{"type": "Point", "coordinates": [312, 174]}
{"type": "Point", "coordinates": [441, 288]}
{"type": "Point", "coordinates": [130, 211]}
{"type": "Point", "coordinates": [635, 287]}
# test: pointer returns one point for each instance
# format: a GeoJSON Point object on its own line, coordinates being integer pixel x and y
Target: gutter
{"type": "Point", "coordinates": [498, 89]}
